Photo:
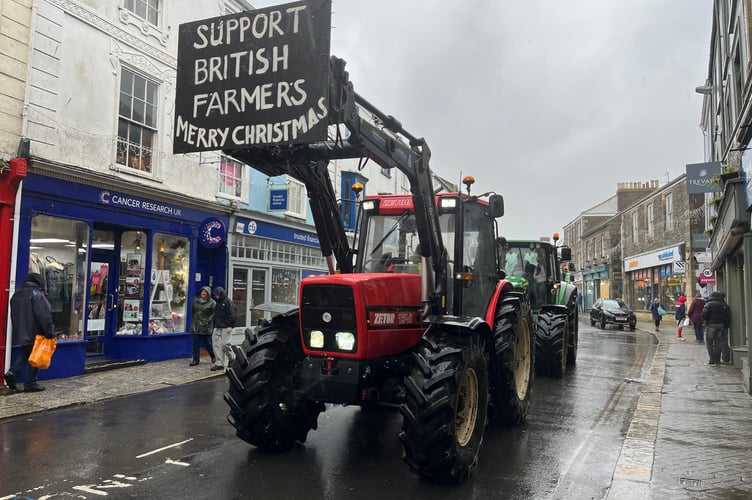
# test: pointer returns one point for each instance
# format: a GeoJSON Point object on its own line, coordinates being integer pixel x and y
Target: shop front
{"type": "Point", "coordinates": [595, 284]}
{"type": "Point", "coordinates": [120, 269]}
{"type": "Point", "coordinates": [268, 260]}
{"type": "Point", "coordinates": [660, 274]}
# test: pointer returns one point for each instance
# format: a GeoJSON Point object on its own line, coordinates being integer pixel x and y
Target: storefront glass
{"type": "Point", "coordinates": [58, 251]}
{"type": "Point", "coordinates": [131, 283]}
{"type": "Point", "coordinates": [671, 287]}
{"type": "Point", "coordinates": [285, 284]}
{"type": "Point", "coordinates": [640, 289]}
{"type": "Point", "coordinates": [169, 282]}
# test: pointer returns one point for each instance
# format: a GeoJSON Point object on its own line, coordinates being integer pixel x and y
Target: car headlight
{"type": "Point", "coordinates": [317, 339]}
{"type": "Point", "coordinates": [345, 340]}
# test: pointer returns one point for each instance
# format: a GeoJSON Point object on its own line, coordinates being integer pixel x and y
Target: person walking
{"type": "Point", "coordinates": [224, 322]}
{"type": "Point", "coordinates": [680, 314]}
{"type": "Point", "coordinates": [30, 315]}
{"type": "Point", "coordinates": [655, 311]}
{"type": "Point", "coordinates": [202, 317]}
{"type": "Point", "coordinates": [717, 317]}
{"type": "Point", "coordinates": [695, 316]}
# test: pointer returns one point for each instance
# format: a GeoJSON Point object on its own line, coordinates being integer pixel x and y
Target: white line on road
{"type": "Point", "coordinates": [163, 448]}
{"type": "Point", "coordinates": [175, 462]}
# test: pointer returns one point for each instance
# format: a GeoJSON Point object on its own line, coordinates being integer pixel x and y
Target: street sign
{"type": "Point", "coordinates": [680, 267]}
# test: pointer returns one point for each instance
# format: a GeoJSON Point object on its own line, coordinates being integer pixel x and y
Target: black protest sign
{"type": "Point", "coordinates": [255, 78]}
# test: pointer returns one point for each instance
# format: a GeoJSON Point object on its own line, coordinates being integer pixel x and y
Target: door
{"type": "Point", "coordinates": [249, 290]}
{"type": "Point", "coordinates": [102, 313]}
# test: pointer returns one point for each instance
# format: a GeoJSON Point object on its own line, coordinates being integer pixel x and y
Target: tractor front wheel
{"type": "Point", "coordinates": [267, 405]}
{"type": "Point", "coordinates": [445, 409]}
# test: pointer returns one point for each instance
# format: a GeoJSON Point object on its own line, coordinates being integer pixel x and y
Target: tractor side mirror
{"type": "Point", "coordinates": [495, 205]}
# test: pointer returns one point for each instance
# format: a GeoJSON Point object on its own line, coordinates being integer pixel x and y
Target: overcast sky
{"type": "Point", "coordinates": [549, 103]}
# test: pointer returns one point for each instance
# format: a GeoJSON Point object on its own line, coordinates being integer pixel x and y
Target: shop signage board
{"type": "Point", "coordinates": [263, 229]}
{"type": "Point", "coordinates": [255, 78]}
{"type": "Point", "coordinates": [707, 277]}
{"type": "Point", "coordinates": [278, 199]}
{"type": "Point", "coordinates": [700, 176]}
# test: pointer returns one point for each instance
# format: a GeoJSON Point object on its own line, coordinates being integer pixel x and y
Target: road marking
{"type": "Point", "coordinates": [163, 448]}
{"type": "Point", "coordinates": [175, 462]}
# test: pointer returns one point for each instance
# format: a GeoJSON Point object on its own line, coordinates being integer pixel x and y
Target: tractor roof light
{"type": "Point", "coordinates": [448, 205]}
{"type": "Point", "coordinates": [468, 181]}
{"type": "Point", "coordinates": [370, 205]}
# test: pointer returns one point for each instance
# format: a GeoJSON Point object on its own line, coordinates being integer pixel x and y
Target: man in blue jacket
{"type": "Point", "coordinates": [30, 315]}
{"type": "Point", "coordinates": [224, 322]}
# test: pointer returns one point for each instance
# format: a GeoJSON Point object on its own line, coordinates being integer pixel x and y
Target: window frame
{"type": "Point", "coordinates": [635, 227]}
{"type": "Point", "coordinates": [131, 6]}
{"type": "Point", "coordinates": [239, 180]}
{"type": "Point", "coordinates": [650, 220]}
{"type": "Point", "coordinates": [669, 211]}
{"type": "Point", "coordinates": [124, 137]}
{"type": "Point", "coordinates": [296, 195]}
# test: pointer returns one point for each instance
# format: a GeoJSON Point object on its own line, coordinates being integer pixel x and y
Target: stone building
{"type": "Point", "coordinates": [654, 244]}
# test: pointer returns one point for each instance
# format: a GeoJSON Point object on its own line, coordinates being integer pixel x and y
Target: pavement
{"type": "Point", "coordinates": [690, 435]}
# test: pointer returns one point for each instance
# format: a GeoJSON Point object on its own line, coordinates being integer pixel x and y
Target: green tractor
{"type": "Point", "coordinates": [544, 271]}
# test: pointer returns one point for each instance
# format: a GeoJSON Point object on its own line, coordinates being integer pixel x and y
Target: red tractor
{"type": "Point", "coordinates": [421, 320]}
{"type": "Point", "coordinates": [416, 315]}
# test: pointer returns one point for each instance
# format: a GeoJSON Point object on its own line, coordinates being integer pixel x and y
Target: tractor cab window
{"type": "Point", "coordinates": [511, 262]}
{"type": "Point", "coordinates": [478, 260]}
{"type": "Point", "coordinates": [391, 244]}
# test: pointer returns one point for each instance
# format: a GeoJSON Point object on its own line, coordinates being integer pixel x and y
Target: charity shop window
{"type": "Point", "coordinates": [231, 175]}
{"type": "Point", "coordinates": [297, 199]}
{"type": "Point", "coordinates": [137, 121]}
{"type": "Point", "coordinates": [169, 283]}
{"type": "Point", "coordinates": [58, 251]}
{"type": "Point", "coordinates": [147, 10]}
{"type": "Point", "coordinates": [131, 283]}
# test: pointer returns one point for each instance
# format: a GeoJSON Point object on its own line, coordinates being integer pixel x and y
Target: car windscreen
{"type": "Point", "coordinates": [614, 304]}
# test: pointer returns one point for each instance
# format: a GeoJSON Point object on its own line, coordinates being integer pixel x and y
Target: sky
{"type": "Point", "coordinates": [548, 103]}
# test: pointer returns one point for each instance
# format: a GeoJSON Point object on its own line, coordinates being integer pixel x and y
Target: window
{"type": "Point", "coordinates": [137, 123]}
{"type": "Point", "coordinates": [169, 283]}
{"type": "Point", "coordinates": [603, 246]}
{"type": "Point", "coordinates": [635, 227]}
{"type": "Point", "coordinates": [650, 220]}
{"type": "Point", "coordinates": [147, 10]}
{"type": "Point", "coordinates": [58, 252]}
{"type": "Point", "coordinates": [669, 212]}
{"type": "Point", "coordinates": [296, 199]}
{"type": "Point", "coordinates": [231, 177]}
{"type": "Point", "coordinates": [386, 172]}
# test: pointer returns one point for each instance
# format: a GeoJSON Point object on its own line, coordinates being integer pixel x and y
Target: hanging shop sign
{"type": "Point", "coordinates": [255, 78]}
{"type": "Point", "coordinates": [700, 176]}
{"type": "Point", "coordinates": [278, 199]}
{"type": "Point", "coordinates": [212, 233]}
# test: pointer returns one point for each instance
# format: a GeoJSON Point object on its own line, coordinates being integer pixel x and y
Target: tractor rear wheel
{"type": "Point", "coordinates": [551, 344]}
{"type": "Point", "coordinates": [445, 409]}
{"type": "Point", "coordinates": [512, 369]}
{"type": "Point", "coordinates": [267, 406]}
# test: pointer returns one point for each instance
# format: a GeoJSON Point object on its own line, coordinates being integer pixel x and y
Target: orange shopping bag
{"type": "Point", "coordinates": [41, 354]}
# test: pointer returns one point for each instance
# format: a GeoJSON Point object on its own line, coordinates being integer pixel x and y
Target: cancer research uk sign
{"type": "Point", "coordinates": [253, 79]}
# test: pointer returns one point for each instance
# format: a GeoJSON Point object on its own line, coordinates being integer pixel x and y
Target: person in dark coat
{"type": "Point", "coordinates": [202, 318]}
{"type": "Point", "coordinates": [717, 317]}
{"type": "Point", "coordinates": [695, 316]}
{"type": "Point", "coordinates": [224, 322]}
{"type": "Point", "coordinates": [655, 314]}
{"type": "Point", "coordinates": [30, 315]}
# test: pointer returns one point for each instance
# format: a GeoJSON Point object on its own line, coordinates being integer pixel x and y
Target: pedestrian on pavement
{"type": "Point", "coordinates": [224, 322]}
{"type": "Point", "coordinates": [30, 315]}
{"type": "Point", "coordinates": [579, 300]}
{"type": "Point", "coordinates": [655, 310]}
{"type": "Point", "coordinates": [717, 317]}
{"type": "Point", "coordinates": [695, 316]}
{"type": "Point", "coordinates": [202, 318]}
{"type": "Point", "coordinates": [680, 314]}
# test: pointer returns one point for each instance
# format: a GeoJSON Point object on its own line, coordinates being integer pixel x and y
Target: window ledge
{"type": "Point", "coordinates": [122, 169]}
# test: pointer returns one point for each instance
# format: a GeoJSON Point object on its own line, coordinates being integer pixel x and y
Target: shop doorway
{"type": "Point", "coordinates": [249, 286]}
{"type": "Point", "coordinates": [102, 313]}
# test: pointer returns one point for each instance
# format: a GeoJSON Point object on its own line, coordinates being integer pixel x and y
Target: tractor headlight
{"type": "Point", "coordinates": [317, 339]}
{"type": "Point", "coordinates": [345, 340]}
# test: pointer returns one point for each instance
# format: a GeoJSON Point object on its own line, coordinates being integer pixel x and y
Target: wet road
{"type": "Point", "coordinates": [175, 443]}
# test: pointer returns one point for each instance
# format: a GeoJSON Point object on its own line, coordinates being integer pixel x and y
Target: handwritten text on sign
{"type": "Point", "coordinates": [255, 78]}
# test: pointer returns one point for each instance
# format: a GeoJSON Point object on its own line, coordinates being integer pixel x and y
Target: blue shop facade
{"type": "Point", "coordinates": [121, 265]}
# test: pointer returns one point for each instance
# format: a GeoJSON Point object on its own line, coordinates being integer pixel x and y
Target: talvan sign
{"type": "Point", "coordinates": [255, 78]}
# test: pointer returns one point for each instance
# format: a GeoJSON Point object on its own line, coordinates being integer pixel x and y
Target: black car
{"type": "Point", "coordinates": [612, 311]}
